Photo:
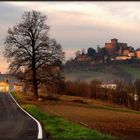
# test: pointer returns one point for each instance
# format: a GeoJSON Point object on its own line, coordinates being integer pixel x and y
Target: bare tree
{"type": "Point", "coordinates": [28, 46]}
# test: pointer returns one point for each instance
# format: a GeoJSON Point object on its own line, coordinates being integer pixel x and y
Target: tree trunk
{"type": "Point", "coordinates": [35, 87]}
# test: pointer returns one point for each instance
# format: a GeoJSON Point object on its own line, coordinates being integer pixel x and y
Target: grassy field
{"type": "Point", "coordinates": [119, 122]}
{"type": "Point", "coordinates": [135, 72]}
{"type": "Point", "coordinates": [60, 128]}
{"type": "Point", "coordinates": [100, 117]}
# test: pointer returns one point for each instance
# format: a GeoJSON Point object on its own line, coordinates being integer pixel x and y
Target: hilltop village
{"type": "Point", "coordinates": [112, 52]}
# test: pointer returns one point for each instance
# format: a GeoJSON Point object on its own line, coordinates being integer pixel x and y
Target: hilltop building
{"type": "Point", "coordinates": [117, 48]}
{"type": "Point", "coordinates": [83, 57]}
{"type": "Point", "coordinates": [112, 52]}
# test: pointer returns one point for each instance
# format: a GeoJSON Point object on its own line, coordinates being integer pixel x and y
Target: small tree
{"type": "Point", "coordinates": [91, 52]}
{"type": "Point", "coordinates": [29, 47]}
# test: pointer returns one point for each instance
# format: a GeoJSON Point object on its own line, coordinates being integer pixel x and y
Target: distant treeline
{"type": "Point", "coordinates": [127, 94]}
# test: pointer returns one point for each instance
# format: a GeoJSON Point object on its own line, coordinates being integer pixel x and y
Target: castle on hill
{"type": "Point", "coordinates": [121, 50]}
{"type": "Point", "coordinates": [111, 52]}
{"type": "Point", "coordinates": [115, 50]}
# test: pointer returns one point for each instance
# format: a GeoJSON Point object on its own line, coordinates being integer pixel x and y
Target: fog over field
{"type": "Point", "coordinates": [110, 74]}
{"type": "Point", "coordinates": [89, 75]}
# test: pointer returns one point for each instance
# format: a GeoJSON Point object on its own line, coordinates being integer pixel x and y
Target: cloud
{"type": "Point", "coordinates": [100, 13]}
{"type": "Point", "coordinates": [126, 11]}
{"type": "Point", "coordinates": [9, 13]}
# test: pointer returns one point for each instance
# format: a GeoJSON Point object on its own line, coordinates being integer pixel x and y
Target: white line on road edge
{"type": "Point", "coordinates": [40, 133]}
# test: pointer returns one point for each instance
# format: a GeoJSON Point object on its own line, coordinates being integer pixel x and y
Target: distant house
{"type": "Point", "coordinates": [136, 97]}
{"type": "Point", "coordinates": [4, 87]}
{"type": "Point", "coordinates": [123, 57]}
{"type": "Point", "coordinates": [83, 57]}
{"type": "Point", "coordinates": [109, 86]}
{"type": "Point", "coordinates": [9, 83]}
{"type": "Point", "coordinates": [131, 54]}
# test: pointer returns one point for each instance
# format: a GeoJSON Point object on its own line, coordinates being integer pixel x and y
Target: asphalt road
{"type": "Point", "coordinates": [14, 123]}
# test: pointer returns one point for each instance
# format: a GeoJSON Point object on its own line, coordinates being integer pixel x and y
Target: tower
{"type": "Point", "coordinates": [114, 41]}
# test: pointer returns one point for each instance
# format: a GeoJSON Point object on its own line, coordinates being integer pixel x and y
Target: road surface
{"type": "Point", "coordinates": [15, 124]}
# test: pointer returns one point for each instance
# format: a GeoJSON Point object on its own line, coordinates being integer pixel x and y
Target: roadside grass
{"type": "Point", "coordinates": [18, 96]}
{"type": "Point", "coordinates": [61, 129]}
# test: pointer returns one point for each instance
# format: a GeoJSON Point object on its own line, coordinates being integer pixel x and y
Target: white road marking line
{"type": "Point", "coordinates": [40, 132]}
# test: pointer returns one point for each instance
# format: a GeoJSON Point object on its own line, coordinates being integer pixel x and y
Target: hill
{"type": "Point", "coordinates": [107, 73]}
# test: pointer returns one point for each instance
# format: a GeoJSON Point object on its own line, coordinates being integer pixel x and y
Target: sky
{"type": "Point", "coordinates": [77, 25]}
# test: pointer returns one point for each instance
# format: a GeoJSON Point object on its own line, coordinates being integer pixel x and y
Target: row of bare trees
{"type": "Point", "coordinates": [127, 94]}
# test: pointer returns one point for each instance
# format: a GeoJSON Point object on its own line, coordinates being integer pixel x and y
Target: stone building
{"type": "Point", "coordinates": [117, 48]}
